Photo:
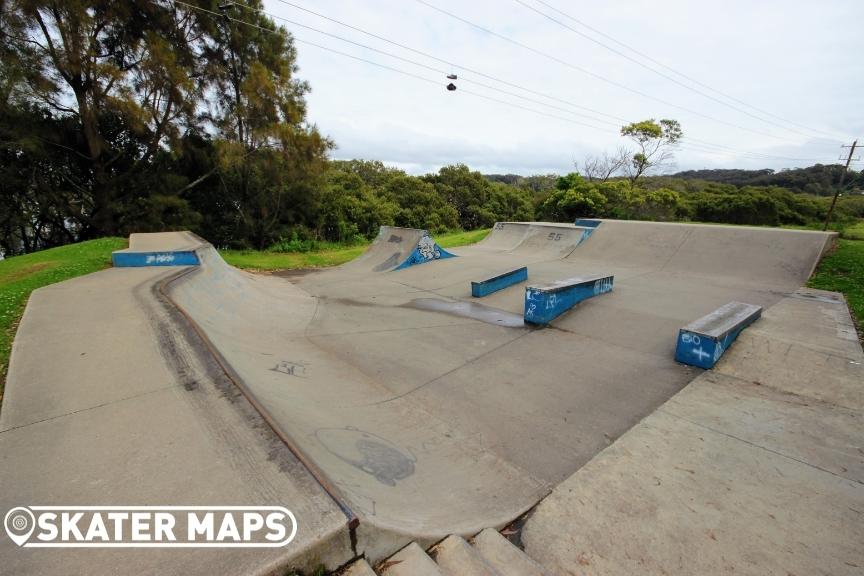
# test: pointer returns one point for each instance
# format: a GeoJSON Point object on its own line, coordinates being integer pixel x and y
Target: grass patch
{"type": "Point", "coordinates": [269, 260]}
{"type": "Point", "coordinates": [20, 275]}
{"type": "Point", "coordinates": [456, 239]}
{"type": "Point", "coordinates": [854, 232]}
{"type": "Point", "coordinates": [843, 271]}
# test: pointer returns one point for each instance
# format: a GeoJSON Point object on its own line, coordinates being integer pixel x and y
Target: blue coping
{"type": "Point", "coordinates": [123, 259]}
{"type": "Point", "coordinates": [426, 251]}
{"type": "Point", "coordinates": [490, 285]}
{"type": "Point", "coordinates": [703, 348]}
{"type": "Point", "coordinates": [587, 222]}
{"type": "Point", "coordinates": [545, 303]}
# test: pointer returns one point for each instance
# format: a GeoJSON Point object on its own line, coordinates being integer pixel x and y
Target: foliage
{"type": "Point", "coordinates": [576, 197]}
{"type": "Point", "coordinates": [151, 115]}
{"type": "Point", "coordinates": [20, 275]}
{"type": "Point", "coordinates": [328, 254]}
{"type": "Point", "coordinates": [654, 142]}
{"type": "Point", "coordinates": [820, 179]}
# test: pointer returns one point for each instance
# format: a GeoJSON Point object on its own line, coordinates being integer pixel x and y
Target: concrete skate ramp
{"type": "Point", "coordinates": [158, 249]}
{"type": "Point", "coordinates": [430, 421]}
{"type": "Point", "coordinates": [163, 241]}
{"type": "Point", "coordinates": [401, 469]}
{"type": "Point", "coordinates": [747, 254]}
{"type": "Point", "coordinates": [394, 247]}
{"type": "Point", "coordinates": [503, 236]}
{"type": "Point", "coordinates": [551, 241]}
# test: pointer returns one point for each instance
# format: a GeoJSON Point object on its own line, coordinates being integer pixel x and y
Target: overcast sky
{"type": "Point", "coordinates": [796, 59]}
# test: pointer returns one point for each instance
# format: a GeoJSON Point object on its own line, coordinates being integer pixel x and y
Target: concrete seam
{"type": "Point", "coordinates": [460, 367]}
{"type": "Point", "coordinates": [753, 444]}
{"type": "Point", "coordinates": [88, 408]}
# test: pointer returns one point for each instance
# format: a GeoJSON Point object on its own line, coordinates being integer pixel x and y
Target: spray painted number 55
{"type": "Point", "coordinates": [554, 236]}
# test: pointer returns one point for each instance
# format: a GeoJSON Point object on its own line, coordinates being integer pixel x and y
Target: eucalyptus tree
{"type": "Point", "coordinates": [655, 143]}
{"type": "Point", "coordinates": [271, 160]}
{"type": "Point", "coordinates": [124, 73]}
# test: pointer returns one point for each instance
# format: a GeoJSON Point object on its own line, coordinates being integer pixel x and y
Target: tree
{"type": "Point", "coordinates": [123, 71]}
{"type": "Point", "coordinates": [467, 191]}
{"type": "Point", "coordinates": [272, 162]}
{"type": "Point", "coordinates": [655, 142]}
{"type": "Point", "coordinates": [606, 165]}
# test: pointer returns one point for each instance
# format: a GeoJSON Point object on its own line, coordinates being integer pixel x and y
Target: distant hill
{"type": "Point", "coordinates": [819, 179]}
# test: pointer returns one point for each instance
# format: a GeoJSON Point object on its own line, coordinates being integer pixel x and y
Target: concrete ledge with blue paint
{"type": "Point", "coordinates": [485, 287]}
{"type": "Point", "coordinates": [546, 302]}
{"type": "Point", "coordinates": [702, 342]}
{"type": "Point", "coordinates": [158, 249]}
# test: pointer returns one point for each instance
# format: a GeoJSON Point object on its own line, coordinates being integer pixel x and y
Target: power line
{"type": "Point", "coordinates": [659, 73]}
{"type": "Point", "coordinates": [679, 73]}
{"type": "Point", "coordinates": [444, 61]}
{"type": "Point", "coordinates": [595, 75]}
{"type": "Point", "coordinates": [452, 64]}
{"type": "Point", "coordinates": [424, 79]}
{"type": "Point", "coordinates": [384, 66]}
{"type": "Point", "coordinates": [764, 155]}
{"type": "Point", "coordinates": [426, 66]}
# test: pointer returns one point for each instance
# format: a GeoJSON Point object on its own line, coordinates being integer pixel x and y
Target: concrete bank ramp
{"type": "Point", "coordinates": [530, 240]}
{"type": "Point", "coordinates": [396, 248]}
{"type": "Point", "coordinates": [745, 254]}
{"type": "Point", "coordinates": [400, 468]}
{"type": "Point", "coordinates": [158, 249]}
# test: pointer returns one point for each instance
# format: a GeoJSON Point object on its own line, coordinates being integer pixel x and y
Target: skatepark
{"type": "Point", "coordinates": [392, 410]}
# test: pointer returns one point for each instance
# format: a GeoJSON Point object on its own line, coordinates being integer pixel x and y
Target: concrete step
{"type": "Point", "coordinates": [456, 557]}
{"type": "Point", "coordinates": [410, 561]}
{"type": "Point", "coordinates": [358, 568]}
{"type": "Point", "coordinates": [504, 557]}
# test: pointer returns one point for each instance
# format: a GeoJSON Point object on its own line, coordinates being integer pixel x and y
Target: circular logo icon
{"type": "Point", "coordinates": [19, 523]}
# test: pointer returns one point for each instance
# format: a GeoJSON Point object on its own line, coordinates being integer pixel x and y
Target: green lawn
{"type": "Point", "coordinates": [256, 260]}
{"type": "Point", "coordinates": [20, 275]}
{"type": "Point", "coordinates": [854, 232]}
{"type": "Point", "coordinates": [843, 271]}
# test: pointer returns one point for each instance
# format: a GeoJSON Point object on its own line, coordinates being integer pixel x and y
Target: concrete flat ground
{"type": "Point", "coordinates": [755, 468]}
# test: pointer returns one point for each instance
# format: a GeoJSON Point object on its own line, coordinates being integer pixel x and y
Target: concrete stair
{"type": "Point", "coordinates": [488, 554]}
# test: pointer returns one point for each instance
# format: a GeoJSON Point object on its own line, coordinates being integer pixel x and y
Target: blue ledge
{"type": "Point", "coordinates": [426, 251]}
{"type": "Point", "coordinates": [122, 259]}
{"type": "Point", "coordinates": [490, 285]}
{"type": "Point", "coordinates": [703, 342]}
{"type": "Point", "coordinates": [545, 303]}
{"type": "Point", "coordinates": [587, 222]}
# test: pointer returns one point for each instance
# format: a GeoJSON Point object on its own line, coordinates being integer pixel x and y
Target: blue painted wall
{"type": "Point", "coordinates": [426, 251]}
{"type": "Point", "coordinates": [704, 351]}
{"type": "Point", "coordinates": [138, 259]}
{"type": "Point", "coordinates": [486, 287]}
{"type": "Point", "coordinates": [543, 306]}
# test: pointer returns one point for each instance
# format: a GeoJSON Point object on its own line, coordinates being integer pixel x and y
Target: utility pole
{"type": "Point", "coordinates": [840, 186]}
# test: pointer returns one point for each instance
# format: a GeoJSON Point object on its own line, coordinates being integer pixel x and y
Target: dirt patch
{"type": "Point", "coordinates": [27, 270]}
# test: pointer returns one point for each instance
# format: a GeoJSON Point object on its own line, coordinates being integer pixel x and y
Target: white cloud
{"type": "Point", "coordinates": [795, 59]}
